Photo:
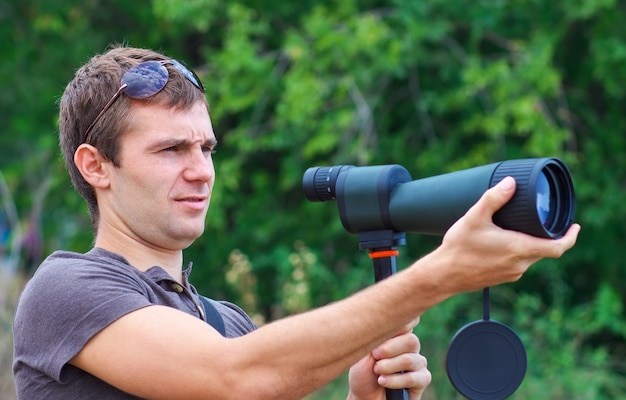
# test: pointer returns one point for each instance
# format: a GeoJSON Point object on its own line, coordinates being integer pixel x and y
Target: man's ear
{"type": "Point", "coordinates": [92, 166]}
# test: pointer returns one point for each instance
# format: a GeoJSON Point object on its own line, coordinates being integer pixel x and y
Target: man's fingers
{"type": "Point", "coordinates": [566, 242]}
{"type": "Point", "coordinates": [412, 380]}
{"type": "Point", "coordinates": [405, 343]}
{"type": "Point", "coordinates": [408, 371]}
{"type": "Point", "coordinates": [410, 326]}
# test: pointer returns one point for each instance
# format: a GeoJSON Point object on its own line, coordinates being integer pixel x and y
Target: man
{"type": "Point", "coordinates": [123, 322]}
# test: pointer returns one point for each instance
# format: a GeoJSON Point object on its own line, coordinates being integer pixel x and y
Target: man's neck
{"type": "Point", "coordinates": [144, 257]}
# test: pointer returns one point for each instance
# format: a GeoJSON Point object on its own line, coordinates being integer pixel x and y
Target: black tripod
{"type": "Point", "coordinates": [382, 248]}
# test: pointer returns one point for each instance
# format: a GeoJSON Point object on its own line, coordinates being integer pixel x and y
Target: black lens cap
{"type": "Point", "coordinates": [486, 360]}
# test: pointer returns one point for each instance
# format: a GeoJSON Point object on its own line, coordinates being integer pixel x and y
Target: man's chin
{"type": "Point", "coordinates": [188, 241]}
{"type": "Point", "coordinates": [182, 239]}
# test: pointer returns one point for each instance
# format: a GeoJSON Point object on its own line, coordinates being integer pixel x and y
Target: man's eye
{"type": "Point", "coordinates": [208, 150]}
{"type": "Point", "coordinates": [171, 148]}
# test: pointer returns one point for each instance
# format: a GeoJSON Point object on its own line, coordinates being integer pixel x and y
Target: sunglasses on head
{"type": "Point", "coordinates": [145, 80]}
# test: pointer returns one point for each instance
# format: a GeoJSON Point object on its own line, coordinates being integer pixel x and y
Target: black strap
{"type": "Point", "coordinates": [213, 317]}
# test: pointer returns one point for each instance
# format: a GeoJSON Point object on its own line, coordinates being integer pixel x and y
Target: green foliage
{"type": "Point", "coordinates": [570, 355]}
{"type": "Point", "coordinates": [10, 287]}
{"type": "Point", "coordinates": [433, 85]}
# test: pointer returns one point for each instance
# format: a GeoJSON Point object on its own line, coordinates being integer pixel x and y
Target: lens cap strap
{"type": "Point", "coordinates": [486, 303]}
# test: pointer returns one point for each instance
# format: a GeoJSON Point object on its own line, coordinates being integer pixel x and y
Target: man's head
{"type": "Point", "coordinates": [87, 95]}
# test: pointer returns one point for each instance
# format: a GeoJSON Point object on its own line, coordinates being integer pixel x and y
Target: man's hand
{"type": "Point", "coordinates": [476, 253]}
{"type": "Point", "coordinates": [395, 364]}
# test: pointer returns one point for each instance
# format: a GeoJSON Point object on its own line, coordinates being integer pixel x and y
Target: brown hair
{"type": "Point", "coordinates": [85, 96]}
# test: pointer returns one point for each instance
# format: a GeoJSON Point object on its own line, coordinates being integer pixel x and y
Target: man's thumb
{"type": "Point", "coordinates": [499, 195]}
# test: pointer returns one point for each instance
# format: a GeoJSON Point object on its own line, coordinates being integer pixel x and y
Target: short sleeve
{"type": "Point", "coordinates": [65, 304]}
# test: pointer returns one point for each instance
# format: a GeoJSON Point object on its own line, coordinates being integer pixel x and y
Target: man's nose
{"type": "Point", "coordinates": [200, 166]}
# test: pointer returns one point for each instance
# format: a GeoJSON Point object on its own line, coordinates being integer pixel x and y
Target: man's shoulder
{"type": "Point", "coordinates": [65, 261]}
{"type": "Point", "coordinates": [60, 262]}
{"type": "Point", "coordinates": [70, 271]}
{"type": "Point", "coordinates": [95, 255]}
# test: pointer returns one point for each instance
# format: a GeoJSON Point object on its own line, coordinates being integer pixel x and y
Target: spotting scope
{"type": "Point", "coordinates": [384, 197]}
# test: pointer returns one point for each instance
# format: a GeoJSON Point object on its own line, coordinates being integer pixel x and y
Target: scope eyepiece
{"type": "Point", "coordinates": [319, 183]}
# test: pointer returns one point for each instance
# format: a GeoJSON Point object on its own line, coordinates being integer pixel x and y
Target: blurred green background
{"type": "Point", "coordinates": [433, 85]}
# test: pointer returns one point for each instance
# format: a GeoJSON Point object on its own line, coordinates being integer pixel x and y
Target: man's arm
{"type": "Point", "coordinates": [158, 352]}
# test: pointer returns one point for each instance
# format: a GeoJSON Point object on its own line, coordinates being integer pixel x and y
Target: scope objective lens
{"type": "Point", "coordinates": [544, 200]}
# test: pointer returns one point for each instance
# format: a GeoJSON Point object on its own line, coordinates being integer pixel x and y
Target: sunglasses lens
{"type": "Point", "coordinates": [145, 79]}
{"type": "Point", "coordinates": [188, 73]}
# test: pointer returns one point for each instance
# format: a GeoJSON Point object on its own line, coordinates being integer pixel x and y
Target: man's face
{"type": "Point", "coordinates": [160, 193]}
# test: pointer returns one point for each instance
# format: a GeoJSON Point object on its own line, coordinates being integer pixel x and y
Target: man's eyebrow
{"type": "Point", "coordinates": [171, 142]}
{"type": "Point", "coordinates": [211, 143]}
{"type": "Point", "coordinates": [174, 142]}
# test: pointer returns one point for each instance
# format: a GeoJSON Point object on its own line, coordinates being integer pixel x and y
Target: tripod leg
{"type": "Point", "coordinates": [397, 394]}
{"type": "Point", "coordinates": [383, 268]}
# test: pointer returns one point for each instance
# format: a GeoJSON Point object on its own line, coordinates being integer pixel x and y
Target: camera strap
{"type": "Point", "coordinates": [212, 316]}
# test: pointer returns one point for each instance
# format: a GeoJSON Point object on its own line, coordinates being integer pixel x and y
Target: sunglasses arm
{"type": "Point", "coordinates": [104, 109]}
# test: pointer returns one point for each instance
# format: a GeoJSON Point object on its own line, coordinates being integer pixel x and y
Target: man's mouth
{"type": "Point", "coordinates": [198, 202]}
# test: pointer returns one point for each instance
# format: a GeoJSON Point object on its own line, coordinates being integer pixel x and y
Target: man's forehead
{"type": "Point", "coordinates": [152, 124]}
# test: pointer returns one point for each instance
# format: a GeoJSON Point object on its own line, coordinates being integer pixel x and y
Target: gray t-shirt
{"type": "Point", "coordinates": [74, 296]}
